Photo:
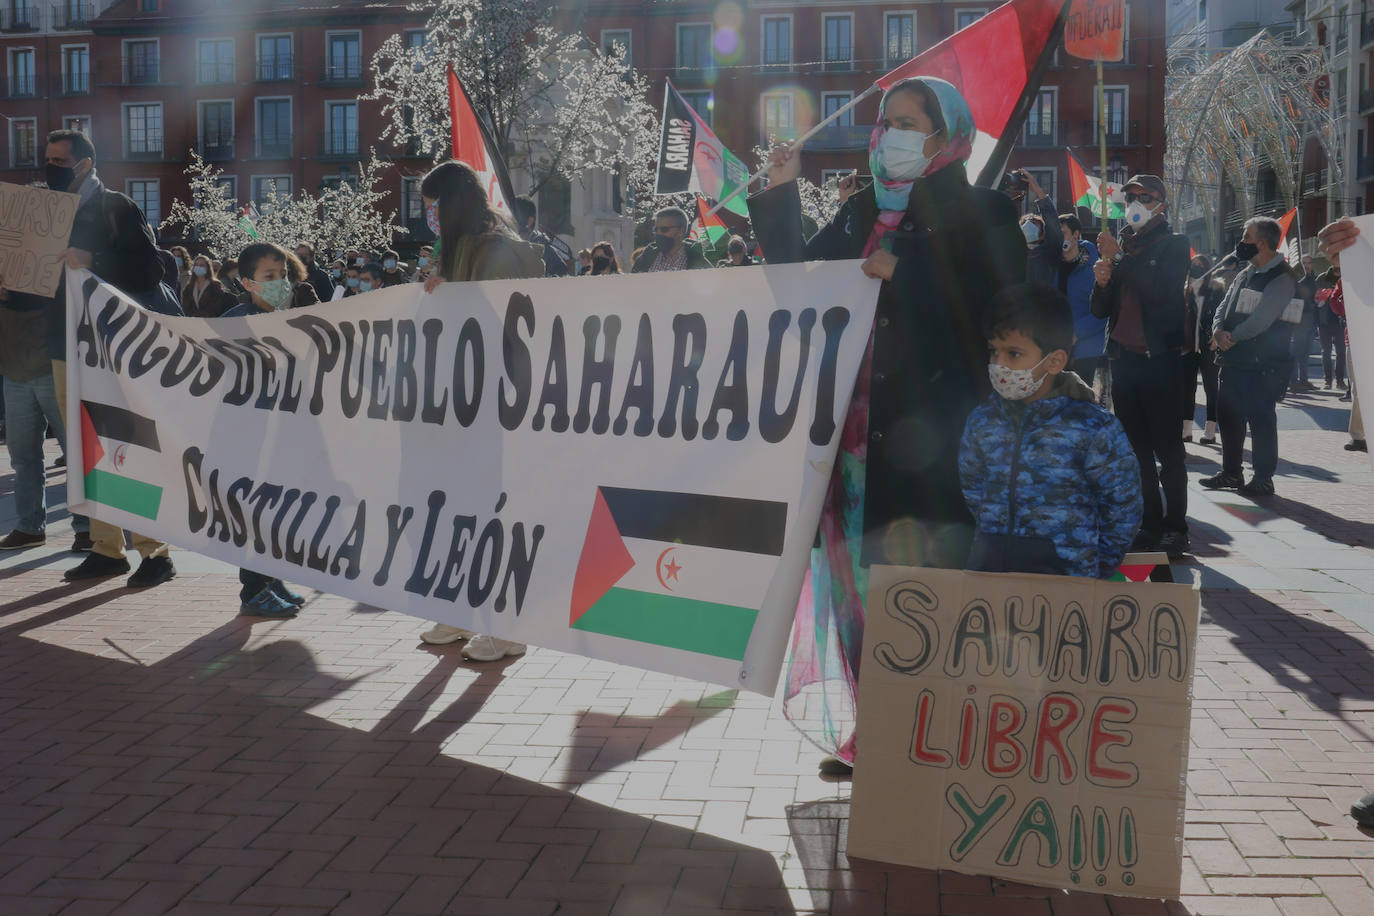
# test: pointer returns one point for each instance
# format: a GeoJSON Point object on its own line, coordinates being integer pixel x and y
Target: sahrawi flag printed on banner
{"type": "Point", "coordinates": [990, 63]}
{"type": "Point", "coordinates": [118, 449]}
{"type": "Point", "coordinates": [472, 145]}
{"type": "Point", "coordinates": [691, 157]}
{"type": "Point", "coordinates": [1087, 192]}
{"type": "Point", "coordinates": [680, 570]}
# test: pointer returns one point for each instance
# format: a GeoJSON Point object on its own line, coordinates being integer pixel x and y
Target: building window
{"type": "Point", "coordinates": [75, 14]}
{"type": "Point", "coordinates": [778, 117]}
{"type": "Point", "coordinates": [622, 37]}
{"type": "Point", "coordinates": [22, 15]}
{"type": "Point", "coordinates": [900, 46]}
{"type": "Point", "coordinates": [147, 6]}
{"type": "Point", "coordinates": [23, 143]}
{"type": "Point", "coordinates": [965, 18]}
{"type": "Point", "coordinates": [140, 62]}
{"type": "Point", "coordinates": [76, 69]}
{"type": "Point", "coordinates": [839, 42]}
{"type": "Point", "coordinates": [230, 184]}
{"type": "Point", "coordinates": [274, 129]}
{"type": "Point", "coordinates": [1040, 120]}
{"type": "Point", "coordinates": [555, 207]}
{"type": "Point", "coordinates": [694, 47]}
{"type": "Point", "coordinates": [777, 42]}
{"type": "Point", "coordinates": [1115, 115]}
{"type": "Point", "coordinates": [274, 57]}
{"type": "Point", "coordinates": [143, 131]}
{"type": "Point", "coordinates": [217, 130]}
{"type": "Point", "coordinates": [344, 56]}
{"type": "Point", "coordinates": [77, 122]}
{"type": "Point", "coordinates": [266, 186]}
{"type": "Point", "coordinates": [412, 204]}
{"type": "Point", "coordinates": [341, 128]}
{"type": "Point", "coordinates": [832, 102]}
{"type": "Point", "coordinates": [703, 102]}
{"type": "Point", "coordinates": [22, 83]}
{"type": "Point", "coordinates": [147, 195]}
{"type": "Point", "coordinates": [215, 60]}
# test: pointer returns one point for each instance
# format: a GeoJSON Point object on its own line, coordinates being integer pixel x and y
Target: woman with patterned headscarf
{"type": "Point", "coordinates": [943, 250]}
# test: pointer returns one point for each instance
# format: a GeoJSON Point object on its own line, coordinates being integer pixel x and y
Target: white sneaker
{"type": "Point", "coordinates": [443, 634]}
{"type": "Point", "coordinates": [490, 649]}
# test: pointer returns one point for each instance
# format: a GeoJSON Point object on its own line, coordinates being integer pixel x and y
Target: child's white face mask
{"type": "Point", "coordinates": [1015, 384]}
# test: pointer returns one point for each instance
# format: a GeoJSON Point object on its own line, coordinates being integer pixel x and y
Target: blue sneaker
{"type": "Point", "coordinates": [266, 604]}
{"type": "Point", "coordinates": [279, 589]}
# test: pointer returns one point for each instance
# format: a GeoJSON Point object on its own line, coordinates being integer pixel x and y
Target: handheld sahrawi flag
{"type": "Point", "coordinates": [473, 145]}
{"type": "Point", "coordinates": [1088, 192]}
{"type": "Point", "coordinates": [691, 158]}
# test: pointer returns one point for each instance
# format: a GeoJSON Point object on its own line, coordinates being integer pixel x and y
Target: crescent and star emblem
{"type": "Point", "coordinates": [668, 571]}
{"type": "Point", "coordinates": [118, 457]}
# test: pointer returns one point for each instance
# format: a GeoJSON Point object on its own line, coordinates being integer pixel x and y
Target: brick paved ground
{"type": "Point", "coordinates": [158, 754]}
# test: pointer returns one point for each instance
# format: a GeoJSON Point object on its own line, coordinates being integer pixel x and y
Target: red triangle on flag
{"type": "Point", "coordinates": [91, 450]}
{"type": "Point", "coordinates": [1137, 573]}
{"type": "Point", "coordinates": [469, 142]}
{"type": "Point", "coordinates": [604, 561]}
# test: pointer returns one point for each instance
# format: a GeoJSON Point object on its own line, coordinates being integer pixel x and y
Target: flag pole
{"type": "Point", "coordinates": [744, 186]}
{"type": "Point", "coordinates": [1102, 137]}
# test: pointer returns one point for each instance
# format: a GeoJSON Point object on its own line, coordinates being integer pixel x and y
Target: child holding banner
{"type": "Point", "coordinates": [1050, 477]}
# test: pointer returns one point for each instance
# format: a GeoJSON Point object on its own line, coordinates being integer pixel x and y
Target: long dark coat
{"type": "Point", "coordinates": [956, 248]}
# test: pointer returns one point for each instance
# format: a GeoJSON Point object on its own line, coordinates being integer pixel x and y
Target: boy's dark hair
{"type": "Point", "coordinates": [1042, 314]}
{"type": "Point", "coordinates": [266, 251]}
{"type": "Point", "coordinates": [523, 209]}
{"type": "Point", "coordinates": [81, 144]}
{"type": "Point", "coordinates": [374, 268]}
{"type": "Point", "coordinates": [1068, 219]}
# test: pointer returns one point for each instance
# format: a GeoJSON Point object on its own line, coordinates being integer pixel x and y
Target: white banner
{"type": "Point", "coordinates": [629, 468]}
{"type": "Point", "coordinates": [1357, 286]}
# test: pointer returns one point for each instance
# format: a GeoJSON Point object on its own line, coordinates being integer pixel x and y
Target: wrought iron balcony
{"type": "Point", "coordinates": [272, 146]}
{"type": "Point", "coordinates": [149, 149]}
{"type": "Point", "coordinates": [216, 149]}
{"type": "Point", "coordinates": [339, 144]}
{"type": "Point", "coordinates": [68, 16]}
{"type": "Point", "coordinates": [272, 69]}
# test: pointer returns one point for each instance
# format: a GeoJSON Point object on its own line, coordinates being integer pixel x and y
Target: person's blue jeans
{"type": "Point", "coordinates": [30, 407]}
{"type": "Point", "coordinates": [1248, 397]}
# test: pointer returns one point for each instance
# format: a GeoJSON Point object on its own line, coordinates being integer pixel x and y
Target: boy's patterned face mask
{"type": "Point", "coordinates": [1015, 384]}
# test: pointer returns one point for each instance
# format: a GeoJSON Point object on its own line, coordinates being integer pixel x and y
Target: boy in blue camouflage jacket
{"type": "Point", "coordinates": [1049, 476]}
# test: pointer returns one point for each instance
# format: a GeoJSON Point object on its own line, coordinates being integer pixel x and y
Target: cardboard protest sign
{"type": "Point", "coordinates": [1096, 29]}
{"type": "Point", "coordinates": [1357, 289]}
{"type": "Point", "coordinates": [1032, 728]}
{"type": "Point", "coordinates": [35, 224]}
{"type": "Point", "coordinates": [625, 467]}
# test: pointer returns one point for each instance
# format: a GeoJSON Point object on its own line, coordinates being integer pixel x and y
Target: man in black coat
{"type": "Point", "coordinates": [1140, 282]}
{"type": "Point", "coordinates": [111, 238]}
{"type": "Point", "coordinates": [317, 276]}
{"type": "Point", "coordinates": [954, 249]}
{"type": "Point", "coordinates": [556, 253]}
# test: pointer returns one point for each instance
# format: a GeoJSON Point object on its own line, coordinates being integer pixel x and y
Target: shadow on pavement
{"type": "Point", "coordinates": [202, 781]}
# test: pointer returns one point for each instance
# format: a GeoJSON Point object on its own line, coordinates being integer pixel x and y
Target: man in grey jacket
{"type": "Point", "coordinates": [1253, 334]}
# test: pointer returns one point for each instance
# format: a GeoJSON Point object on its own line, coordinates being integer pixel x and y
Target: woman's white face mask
{"type": "Point", "coordinates": [902, 154]}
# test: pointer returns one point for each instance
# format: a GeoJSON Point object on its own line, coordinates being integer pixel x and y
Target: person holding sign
{"type": "Point", "coordinates": [943, 250]}
{"type": "Point", "coordinates": [1049, 476]}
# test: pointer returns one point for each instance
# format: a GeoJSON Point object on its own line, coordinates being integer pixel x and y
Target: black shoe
{"type": "Point", "coordinates": [1207, 440]}
{"type": "Point", "coordinates": [1327, 385]}
{"type": "Point", "coordinates": [1356, 445]}
{"type": "Point", "coordinates": [152, 571]}
{"type": "Point", "coordinates": [1187, 438]}
{"type": "Point", "coordinates": [1144, 543]}
{"type": "Point", "coordinates": [61, 461]}
{"type": "Point", "coordinates": [1258, 486]}
{"type": "Point", "coordinates": [1363, 811]}
{"type": "Point", "coordinates": [18, 540]}
{"type": "Point", "coordinates": [266, 603]}
{"type": "Point", "coordinates": [836, 768]}
{"type": "Point", "coordinates": [1174, 543]}
{"type": "Point", "coordinates": [97, 566]}
{"type": "Point", "coordinates": [1344, 397]}
{"type": "Point", "coordinates": [83, 542]}
{"type": "Point", "coordinates": [1223, 481]}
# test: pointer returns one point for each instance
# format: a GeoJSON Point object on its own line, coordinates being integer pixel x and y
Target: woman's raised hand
{"type": "Point", "coordinates": [784, 164]}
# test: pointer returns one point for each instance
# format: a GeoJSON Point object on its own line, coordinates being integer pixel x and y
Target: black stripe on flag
{"type": "Point", "coordinates": [677, 144]}
{"type": "Point", "coordinates": [122, 425]}
{"type": "Point", "coordinates": [723, 522]}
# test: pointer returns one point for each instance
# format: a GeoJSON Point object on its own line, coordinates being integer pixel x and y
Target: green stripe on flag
{"type": "Point", "coordinates": [133, 496]}
{"type": "Point", "coordinates": [721, 630]}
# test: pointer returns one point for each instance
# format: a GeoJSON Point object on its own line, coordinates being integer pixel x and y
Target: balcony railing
{"type": "Point", "coordinates": [1366, 101]}
{"type": "Point", "coordinates": [840, 137]}
{"type": "Point", "coordinates": [140, 71]}
{"type": "Point", "coordinates": [211, 72]}
{"type": "Point", "coordinates": [1040, 138]}
{"type": "Point", "coordinates": [777, 61]}
{"type": "Point", "coordinates": [216, 149]}
{"type": "Point", "coordinates": [839, 59]}
{"type": "Point", "coordinates": [336, 72]}
{"type": "Point", "coordinates": [75, 83]}
{"type": "Point", "coordinates": [14, 19]}
{"type": "Point", "coordinates": [68, 16]}
{"type": "Point", "coordinates": [270, 69]}
{"type": "Point", "coordinates": [272, 146]}
{"type": "Point", "coordinates": [23, 86]}
{"type": "Point", "coordinates": [146, 149]}
{"type": "Point", "coordinates": [1366, 33]}
{"type": "Point", "coordinates": [1118, 135]}
{"type": "Point", "coordinates": [339, 144]}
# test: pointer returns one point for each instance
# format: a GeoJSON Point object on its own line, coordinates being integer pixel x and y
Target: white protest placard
{"type": "Point", "coordinates": [1026, 727]}
{"type": "Point", "coordinates": [35, 225]}
{"type": "Point", "coordinates": [1357, 287]}
{"type": "Point", "coordinates": [629, 468]}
